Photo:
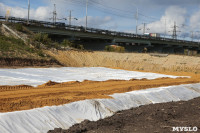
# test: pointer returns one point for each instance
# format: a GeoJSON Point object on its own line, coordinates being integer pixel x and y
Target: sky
{"type": "Point", "coordinates": [159, 16]}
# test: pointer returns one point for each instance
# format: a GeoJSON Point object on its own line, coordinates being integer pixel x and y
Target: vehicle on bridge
{"type": "Point", "coordinates": [152, 34]}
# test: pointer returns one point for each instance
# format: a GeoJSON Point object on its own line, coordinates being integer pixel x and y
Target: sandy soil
{"type": "Point", "coordinates": [157, 118]}
{"type": "Point", "coordinates": [13, 98]}
{"type": "Point", "coordinates": [129, 61]}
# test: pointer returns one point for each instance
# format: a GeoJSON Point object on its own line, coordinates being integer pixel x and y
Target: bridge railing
{"type": "Point", "coordinates": [64, 26]}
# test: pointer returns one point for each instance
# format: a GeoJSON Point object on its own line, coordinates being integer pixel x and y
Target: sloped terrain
{"type": "Point", "coordinates": [129, 61]}
{"type": "Point", "coordinates": [155, 118]}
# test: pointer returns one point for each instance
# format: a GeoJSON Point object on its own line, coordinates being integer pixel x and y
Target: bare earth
{"type": "Point", "coordinates": [155, 118]}
{"type": "Point", "coordinates": [14, 98]}
{"type": "Point", "coordinates": [26, 97]}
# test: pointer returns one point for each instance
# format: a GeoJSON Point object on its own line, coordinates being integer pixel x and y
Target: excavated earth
{"type": "Point", "coordinates": [155, 118]}
{"type": "Point", "coordinates": [23, 97]}
{"type": "Point", "coordinates": [14, 98]}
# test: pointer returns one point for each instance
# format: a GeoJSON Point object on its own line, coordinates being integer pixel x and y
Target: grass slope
{"type": "Point", "coordinates": [16, 48]}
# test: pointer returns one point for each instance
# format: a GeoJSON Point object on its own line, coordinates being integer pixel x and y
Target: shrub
{"type": "Point", "coordinates": [114, 48]}
{"type": "Point", "coordinates": [43, 38]}
{"type": "Point", "coordinates": [81, 47]}
{"type": "Point", "coordinates": [66, 43]}
{"type": "Point", "coordinates": [19, 27]}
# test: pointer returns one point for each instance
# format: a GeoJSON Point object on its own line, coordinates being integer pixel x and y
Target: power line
{"type": "Point", "coordinates": [174, 34]}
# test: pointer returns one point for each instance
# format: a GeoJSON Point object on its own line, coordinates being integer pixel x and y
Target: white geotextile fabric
{"type": "Point", "coordinates": [41, 120]}
{"type": "Point", "coordinates": [38, 76]}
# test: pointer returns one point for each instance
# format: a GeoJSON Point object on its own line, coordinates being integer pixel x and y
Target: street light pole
{"type": "Point", "coordinates": [86, 15]}
{"type": "Point", "coordinates": [70, 17]}
{"type": "Point", "coordinates": [144, 28]}
{"type": "Point", "coordinates": [136, 21]}
{"type": "Point", "coordinates": [165, 28]}
{"type": "Point", "coordinates": [28, 11]}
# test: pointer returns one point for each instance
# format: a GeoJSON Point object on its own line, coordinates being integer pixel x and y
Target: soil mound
{"type": "Point", "coordinates": [157, 118]}
{"type": "Point", "coordinates": [49, 83]}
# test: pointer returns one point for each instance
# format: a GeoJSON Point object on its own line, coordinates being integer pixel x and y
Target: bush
{"type": "Point", "coordinates": [43, 38]}
{"type": "Point", "coordinates": [81, 47]}
{"type": "Point", "coordinates": [66, 43]}
{"type": "Point", "coordinates": [41, 54]}
{"type": "Point", "coordinates": [19, 27]}
{"type": "Point", "coordinates": [114, 48]}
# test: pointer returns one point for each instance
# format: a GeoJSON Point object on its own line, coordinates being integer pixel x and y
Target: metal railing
{"type": "Point", "coordinates": [64, 26]}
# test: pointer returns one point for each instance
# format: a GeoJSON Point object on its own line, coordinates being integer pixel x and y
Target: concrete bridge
{"type": "Point", "coordinates": [131, 42]}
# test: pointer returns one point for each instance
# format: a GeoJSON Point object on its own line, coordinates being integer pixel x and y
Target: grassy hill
{"type": "Point", "coordinates": [11, 47]}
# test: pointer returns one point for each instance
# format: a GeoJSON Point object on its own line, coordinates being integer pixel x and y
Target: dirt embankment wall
{"type": "Point", "coordinates": [19, 62]}
{"type": "Point", "coordinates": [129, 61]}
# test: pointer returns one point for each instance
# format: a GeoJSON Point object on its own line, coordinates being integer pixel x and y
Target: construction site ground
{"type": "Point", "coordinates": [15, 98]}
{"type": "Point", "coordinates": [155, 118]}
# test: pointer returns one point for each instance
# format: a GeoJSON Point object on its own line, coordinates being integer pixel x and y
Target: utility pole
{"type": "Point", "coordinates": [54, 14]}
{"type": "Point", "coordinates": [165, 28]}
{"type": "Point", "coordinates": [136, 21]}
{"type": "Point", "coordinates": [174, 34]}
{"type": "Point", "coordinates": [144, 28]}
{"type": "Point", "coordinates": [86, 15]}
{"type": "Point", "coordinates": [70, 17]}
{"type": "Point", "coordinates": [192, 37]}
{"type": "Point", "coordinates": [28, 11]}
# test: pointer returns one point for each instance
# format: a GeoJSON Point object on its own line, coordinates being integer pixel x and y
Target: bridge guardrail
{"type": "Point", "coordinates": [61, 25]}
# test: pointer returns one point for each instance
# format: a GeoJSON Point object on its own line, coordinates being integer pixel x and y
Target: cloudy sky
{"type": "Point", "coordinates": [118, 15]}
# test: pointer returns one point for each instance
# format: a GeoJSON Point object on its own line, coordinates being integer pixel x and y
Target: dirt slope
{"type": "Point", "coordinates": [157, 118]}
{"type": "Point", "coordinates": [129, 61]}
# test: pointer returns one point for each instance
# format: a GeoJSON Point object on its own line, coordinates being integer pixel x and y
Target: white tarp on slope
{"type": "Point", "coordinates": [41, 120]}
{"type": "Point", "coordinates": [38, 76]}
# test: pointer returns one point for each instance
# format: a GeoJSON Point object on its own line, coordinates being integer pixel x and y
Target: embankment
{"type": "Point", "coordinates": [20, 62]}
{"type": "Point", "coordinates": [129, 61]}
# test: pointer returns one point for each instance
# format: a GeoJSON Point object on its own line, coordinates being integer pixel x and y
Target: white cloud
{"type": "Point", "coordinates": [172, 14]}
{"type": "Point", "coordinates": [97, 22]}
{"type": "Point", "coordinates": [44, 13]}
{"type": "Point", "coordinates": [195, 20]}
{"type": "Point", "coordinates": [41, 13]}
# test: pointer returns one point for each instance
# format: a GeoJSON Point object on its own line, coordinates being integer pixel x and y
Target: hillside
{"type": "Point", "coordinates": [17, 49]}
{"type": "Point", "coordinates": [129, 61]}
{"type": "Point", "coordinates": [11, 47]}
